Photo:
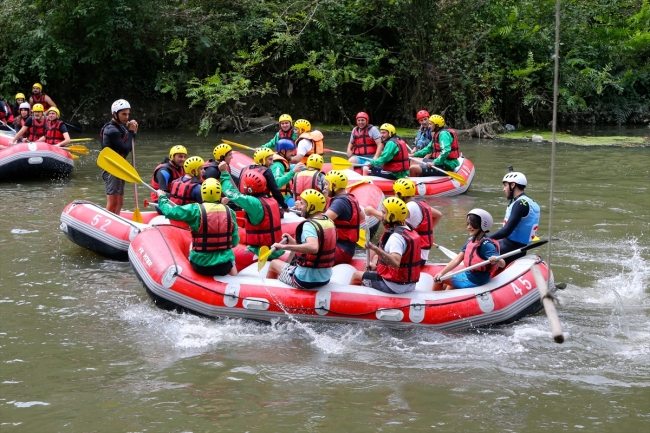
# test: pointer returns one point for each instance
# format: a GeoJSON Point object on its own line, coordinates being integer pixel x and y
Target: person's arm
{"type": "Point", "coordinates": [519, 211]}
{"type": "Point", "coordinates": [275, 191]}
{"type": "Point", "coordinates": [393, 259]}
{"type": "Point", "coordinates": [310, 246]}
{"type": "Point", "coordinates": [376, 135]}
{"type": "Point", "coordinates": [445, 147]}
{"type": "Point", "coordinates": [189, 213]}
{"type": "Point", "coordinates": [195, 194]}
{"type": "Point", "coordinates": [20, 133]}
{"type": "Point", "coordinates": [304, 146]}
{"type": "Point", "coordinates": [426, 150]}
{"type": "Point", "coordinates": [235, 228]}
{"type": "Point", "coordinates": [49, 101]}
{"type": "Point", "coordinates": [373, 212]}
{"type": "Point", "coordinates": [66, 139]}
{"type": "Point", "coordinates": [389, 151]}
{"type": "Point", "coordinates": [250, 204]}
{"type": "Point", "coordinates": [162, 177]}
{"type": "Point", "coordinates": [489, 252]}
{"type": "Point", "coordinates": [281, 177]}
{"type": "Point", "coordinates": [271, 144]}
{"type": "Point", "coordinates": [451, 265]}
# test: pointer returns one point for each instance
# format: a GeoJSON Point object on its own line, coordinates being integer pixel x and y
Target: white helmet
{"type": "Point", "coordinates": [516, 177]}
{"type": "Point", "coordinates": [120, 104]}
{"type": "Point", "coordinates": [25, 105]}
{"type": "Point", "coordinates": [486, 218]}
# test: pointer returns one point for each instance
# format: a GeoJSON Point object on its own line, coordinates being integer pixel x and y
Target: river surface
{"type": "Point", "coordinates": [83, 349]}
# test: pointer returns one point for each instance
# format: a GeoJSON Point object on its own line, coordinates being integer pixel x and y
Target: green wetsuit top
{"type": "Point", "coordinates": [271, 144]}
{"type": "Point", "coordinates": [191, 214]}
{"type": "Point", "coordinates": [282, 178]}
{"type": "Point", "coordinates": [390, 150]}
{"type": "Point", "coordinates": [445, 139]}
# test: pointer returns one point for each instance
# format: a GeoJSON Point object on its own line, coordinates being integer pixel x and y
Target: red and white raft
{"type": "Point", "coordinates": [427, 187]}
{"type": "Point", "coordinates": [93, 227]}
{"type": "Point", "coordinates": [30, 161]}
{"type": "Point", "coordinates": [158, 256]}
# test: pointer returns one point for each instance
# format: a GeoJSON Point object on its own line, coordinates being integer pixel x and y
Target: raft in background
{"type": "Point", "coordinates": [33, 160]}
{"type": "Point", "coordinates": [158, 256]}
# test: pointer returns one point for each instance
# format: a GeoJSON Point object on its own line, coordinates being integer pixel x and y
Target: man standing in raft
{"type": "Point", "coordinates": [34, 126]}
{"type": "Point", "coordinates": [38, 97]}
{"type": "Point", "coordinates": [522, 216]}
{"type": "Point", "coordinates": [477, 249]}
{"type": "Point", "coordinates": [263, 223]}
{"type": "Point", "coordinates": [443, 148]}
{"type": "Point", "coordinates": [365, 141]}
{"type": "Point", "coordinates": [312, 250]}
{"type": "Point", "coordinates": [397, 257]}
{"type": "Point", "coordinates": [187, 189]}
{"type": "Point", "coordinates": [286, 132]}
{"type": "Point", "coordinates": [169, 170]}
{"type": "Point", "coordinates": [214, 230]}
{"type": "Point", "coordinates": [118, 134]}
{"type": "Point", "coordinates": [394, 160]}
{"type": "Point", "coordinates": [347, 215]}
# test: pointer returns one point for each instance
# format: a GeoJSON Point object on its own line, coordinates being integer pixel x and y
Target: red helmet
{"type": "Point", "coordinates": [254, 182]}
{"type": "Point", "coordinates": [422, 114]}
{"type": "Point", "coordinates": [364, 115]}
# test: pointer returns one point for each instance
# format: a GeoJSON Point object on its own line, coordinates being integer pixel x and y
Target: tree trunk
{"type": "Point", "coordinates": [482, 130]}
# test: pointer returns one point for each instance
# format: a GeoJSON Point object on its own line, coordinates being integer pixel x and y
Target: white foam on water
{"type": "Point", "coordinates": [30, 403]}
{"type": "Point", "coordinates": [22, 232]}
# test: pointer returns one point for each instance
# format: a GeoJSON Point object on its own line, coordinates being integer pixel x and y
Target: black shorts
{"type": "Point", "coordinates": [114, 185]}
{"type": "Point", "coordinates": [221, 269]}
{"type": "Point", "coordinates": [372, 279]}
{"type": "Point", "coordinates": [377, 171]}
{"type": "Point", "coordinates": [430, 171]}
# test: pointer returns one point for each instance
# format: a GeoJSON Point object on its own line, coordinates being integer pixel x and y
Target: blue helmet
{"type": "Point", "coordinates": [284, 144]}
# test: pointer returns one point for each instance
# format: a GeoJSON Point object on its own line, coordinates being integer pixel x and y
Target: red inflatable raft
{"type": "Point", "coordinates": [27, 161]}
{"type": "Point", "coordinates": [427, 187]}
{"type": "Point", "coordinates": [93, 227]}
{"type": "Point", "coordinates": [158, 256]}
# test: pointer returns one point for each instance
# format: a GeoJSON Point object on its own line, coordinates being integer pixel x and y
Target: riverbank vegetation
{"type": "Point", "coordinates": [217, 63]}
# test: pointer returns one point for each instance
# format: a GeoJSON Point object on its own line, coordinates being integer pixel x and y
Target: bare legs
{"type": "Point", "coordinates": [114, 203]}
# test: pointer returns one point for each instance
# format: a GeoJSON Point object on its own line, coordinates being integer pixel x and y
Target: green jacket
{"type": "Point", "coordinates": [191, 214]}
{"type": "Point", "coordinates": [271, 144]}
{"type": "Point", "coordinates": [251, 205]}
{"type": "Point", "coordinates": [390, 150]}
{"type": "Point", "coordinates": [445, 149]}
{"type": "Point", "coordinates": [281, 178]}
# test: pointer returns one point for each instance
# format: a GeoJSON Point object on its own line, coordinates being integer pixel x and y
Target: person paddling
{"type": "Point", "coordinates": [169, 170]}
{"type": "Point", "coordinates": [393, 163]}
{"type": "Point", "coordinates": [214, 230]}
{"type": "Point", "coordinates": [441, 152]}
{"type": "Point", "coordinates": [119, 135]}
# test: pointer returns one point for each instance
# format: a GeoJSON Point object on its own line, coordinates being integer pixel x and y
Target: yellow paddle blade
{"type": "Point", "coordinates": [263, 255]}
{"type": "Point", "coordinates": [458, 177]}
{"type": "Point", "coordinates": [339, 163]}
{"type": "Point", "coordinates": [137, 216]}
{"type": "Point", "coordinates": [361, 182]}
{"type": "Point", "coordinates": [241, 146]}
{"type": "Point", "coordinates": [74, 156]}
{"type": "Point", "coordinates": [119, 167]}
{"type": "Point", "coordinates": [362, 238]}
{"type": "Point", "coordinates": [82, 150]}
{"type": "Point", "coordinates": [81, 140]}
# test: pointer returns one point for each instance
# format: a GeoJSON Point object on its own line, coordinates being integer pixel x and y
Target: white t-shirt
{"type": "Point", "coordinates": [397, 244]}
{"type": "Point", "coordinates": [304, 146]}
{"type": "Point", "coordinates": [415, 219]}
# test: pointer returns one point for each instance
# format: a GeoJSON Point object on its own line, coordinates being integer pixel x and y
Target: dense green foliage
{"type": "Point", "coordinates": [471, 60]}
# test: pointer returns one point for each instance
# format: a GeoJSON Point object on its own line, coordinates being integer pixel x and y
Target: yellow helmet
{"type": "Point", "coordinates": [315, 161]}
{"type": "Point", "coordinates": [337, 180]}
{"type": "Point", "coordinates": [437, 120]}
{"type": "Point", "coordinates": [396, 209]}
{"type": "Point", "coordinates": [388, 127]}
{"type": "Point", "coordinates": [19, 96]}
{"type": "Point", "coordinates": [211, 190]}
{"type": "Point", "coordinates": [37, 85]}
{"type": "Point", "coordinates": [56, 110]}
{"type": "Point", "coordinates": [260, 155]}
{"type": "Point", "coordinates": [38, 107]}
{"type": "Point", "coordinates": [303, 125]}
{"type": "Point", "coordinates": [315, 201]}
{"type": "Point", "coordinates": [192, 165]}
{"type": "Point", "coordinates": [285, 118]}
{"type": "Point", "coordinates": [177, 149]}
{"type": "Point", "coordinates": [405, 187]}
{"type": "Point", "coordinates": [220, 151]}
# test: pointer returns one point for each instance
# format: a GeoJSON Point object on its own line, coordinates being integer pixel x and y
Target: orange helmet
{"type": "Point", "coordinates": [254, 182]}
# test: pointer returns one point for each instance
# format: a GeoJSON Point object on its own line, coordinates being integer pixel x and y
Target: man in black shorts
{"type": "Point", "coordinates": [118, 134]}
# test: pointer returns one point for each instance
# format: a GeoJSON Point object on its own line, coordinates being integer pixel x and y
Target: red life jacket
{"type": "Point", "coordinates": [40, 100]}
{"type": "Point", "coordinates": [215, 229]}
{"type": "Point", "coordinates": [288, 134]}
{"type": "Point", "coordinates": [53, 134]}
{"type": "Point", "coordinates": [471, 256]}
{"type": "Point", "coordinates": [455, 152]}
{"type": "Point", "coordinates": [258, 168]}
{"type": "Point", "coordinates": [285, 190]}
{"type": "Point", "coordinates": [37, 130]}
{"type": "Point", "coordinates": [21, 121]}
{"type": "Point", "coordinates": [269, 230]}
{"type": "Point", "coordinates": [425, 229]}
{"type": "Point", "coordinates": [306, 179]}
{"type": "Point", "coordinates": [400, 161]}
{"type": "Point", "coordinates": [326, 231]}
{"type": "Point", "coordinates": [175, 172]}
{"type": "Point", "coordinates": [409, 267]}
{"type": "Point", "coordinates": [180, 190]}
{"type": "Point", "coordinates": [362, 144]}
{"type": "Point", "coordinates": [348, 230]}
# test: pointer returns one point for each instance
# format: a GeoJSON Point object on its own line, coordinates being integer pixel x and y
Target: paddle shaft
{"type": "Point", "coordinates": [549, 306]}
{"type": "Point", "coordinates": [446, 251]}
{"type": "Point", "coordinates": [135, 186]}
{"type": "Point", "coordinates": [502, 256]}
